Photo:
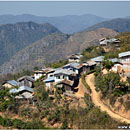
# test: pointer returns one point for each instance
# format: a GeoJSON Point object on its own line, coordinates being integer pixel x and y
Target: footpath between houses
{"type": "Point", "coordinates": [96, 98]}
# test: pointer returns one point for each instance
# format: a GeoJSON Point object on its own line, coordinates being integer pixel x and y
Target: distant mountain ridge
{"type": "Point", "coordinates": [14, 37]}
{"type": "Point", "coordinates": [53, 47]}
{"type": "Point", "coordinates": [119, 24]}
{"type": "Point", "coordinates": [67, 24]}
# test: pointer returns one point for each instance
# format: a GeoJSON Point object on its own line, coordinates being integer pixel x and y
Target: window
{"type": "Point", "coordinates": [57, 77]}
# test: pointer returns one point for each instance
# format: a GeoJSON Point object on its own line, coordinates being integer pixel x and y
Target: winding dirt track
{"type": "Point", "coordinates": [97, 101]}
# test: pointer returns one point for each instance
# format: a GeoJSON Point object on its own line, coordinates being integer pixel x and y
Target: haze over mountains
{"type": "Point", "coordinates": [67, 24]}
{"type": "Point", "coordinates": [25, 45]}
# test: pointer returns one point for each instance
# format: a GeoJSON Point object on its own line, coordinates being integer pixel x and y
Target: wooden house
{"type": "Point", "coordinates": [26, 81]}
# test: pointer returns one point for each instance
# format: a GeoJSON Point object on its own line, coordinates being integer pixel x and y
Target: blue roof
{"type": "Point", "coordinates": [13, 82]}
{"type": "Point", "coordinates": [20, 89]}
{"type": "Point", "coordinates": [50, 79]}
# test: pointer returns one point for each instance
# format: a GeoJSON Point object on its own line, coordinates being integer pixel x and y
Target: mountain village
{"type": "Point", "coordinates": [66, 78]}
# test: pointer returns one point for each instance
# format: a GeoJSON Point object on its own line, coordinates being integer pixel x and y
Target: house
{"type": "Point", "coordinates": [65, 85]}
{"type": "Point", "coordinates": [50, 73]}
{"type": "Point", "coordinates": [10, 84]}
{"type": "Point", "coordinates": [125, 60]}
{"type": "Point", "coordinates": [26, 81]}
{"type": "Point", "coordinates": [62, 78]}
{"type": "Point", "coordinates": [98, 59]}
{"type": "Point", "coordinates": [62, 74]}
{"type": "Point", "coordinates": [24, 92]}
{"type": "Point", "coordinates": [103, 42]}
{"type": "Point", "coordinates": [75, 67]}
{"type": "Point", "coordinates": [74, 58]}
{"type": "Point", "coordinates": [49, 82]}
{"type": "Point", "coordinates": [38, 74]}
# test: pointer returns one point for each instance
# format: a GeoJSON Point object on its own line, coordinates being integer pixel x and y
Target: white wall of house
{"type": "Point", "coordinates": [37, 75]}
{"type": "Point", "coordinates": [126, 63]}
{"type": "Point", "coordinates": [61, 77]}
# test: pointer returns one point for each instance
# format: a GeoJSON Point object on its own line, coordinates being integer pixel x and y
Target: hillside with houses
{"type": "Point", "coordinates": [73, 93]}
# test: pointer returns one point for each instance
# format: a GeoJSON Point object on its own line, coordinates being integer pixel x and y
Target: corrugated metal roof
{"type": "Point", "coordinates": [26, 77]}
{"type": "Point", "coordinates": [74, 65]}
{"type": "Point", "coordinates": [123, 54]}
{"type": "Point", "coordinates": [114, 60]}
{"type": "Point", "coordinates": [13, 82]}
{"type": "Point", "coordinates": [98, 59]}
{"type": "Point", "coordinates": [50, 79]}
{"type": "Point", "coordinates": [20, 89]}
{"type": "Point", "coordinates": [64, 71]}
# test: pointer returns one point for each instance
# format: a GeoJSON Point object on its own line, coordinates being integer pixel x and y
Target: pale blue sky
{"type": "Point", "coordinates": [104, 9]}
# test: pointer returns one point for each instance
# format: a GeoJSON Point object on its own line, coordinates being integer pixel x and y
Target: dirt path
{"type": "Point", "coordinates": [97, 101]}
{"type": "Point", "coordinates": [81, 90]}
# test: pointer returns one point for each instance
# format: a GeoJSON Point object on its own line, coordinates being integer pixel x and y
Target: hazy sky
{"type": "Point", "coordinates": [104, 9]}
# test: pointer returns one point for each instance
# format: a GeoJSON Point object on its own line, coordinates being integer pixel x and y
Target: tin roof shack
{"type": "Point", "coordinates": [26, 81]}
{"type": "Point", "coordinates": [75, 67]}
{"type": "Point", "coordinates": [125, 60]}
{"type": "Point", "coordinates": [11, 84]}
{"type": "Point", "coordinates": [24, 92]}
{"type": "Point", "coordinates": [74, 58]}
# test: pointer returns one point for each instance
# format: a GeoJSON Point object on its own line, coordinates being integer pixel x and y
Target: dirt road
{"type": "Point", "coordinates": [97, 101]}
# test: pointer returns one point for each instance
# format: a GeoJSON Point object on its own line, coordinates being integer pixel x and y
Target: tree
{"type": "Point", "coordinates": [107, 64]}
